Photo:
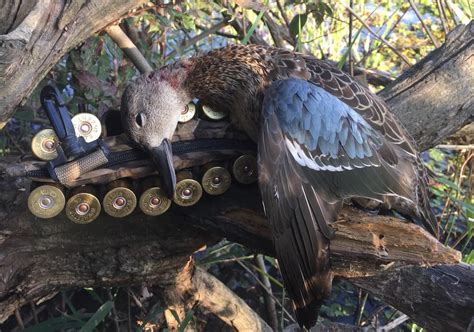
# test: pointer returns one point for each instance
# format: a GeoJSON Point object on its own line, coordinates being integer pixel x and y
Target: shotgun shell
{"type": "Point", "coordinates": [211, 114]}
{"type": "Point", "coordinates": [188, 191]}
{"type": "Point", "coordinates": [188, 113]}
{"type": "Point", "coordinates": [216, 180]}
{"type": "Point", "coordinates": [83, 206]}
{"type": "Point", "coordinates": [153, 200]}
{"type": "Point", "coordinates": [44, 144]}
{"type": "Point", "coordinates": [46, 201]}
{"type": "Point", "coordinates": [87, 125]}
{"type": "Point", "coordinates": [120, 200]}
{"type": "Point", "coordinates": [245, 169]}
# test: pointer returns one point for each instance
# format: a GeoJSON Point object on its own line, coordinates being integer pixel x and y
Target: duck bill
{"type": "Point", "coordinates": [162, 157]}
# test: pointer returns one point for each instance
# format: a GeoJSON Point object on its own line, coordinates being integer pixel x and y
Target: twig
{"type": "Point", "coordinates": [269, 301]}
{"type": "Point", "coordinates": [387, 34]}
{"type": "Point", "coordinates": [15, 143]}
{"type": "Point", "coordinates": [127, 46]}
{"type": "Point", "coordinates": [283, 14]}
{"type": "Point", "coordinates": [135, 298]}
{"type": "Point", "coordinates": [129, 312]}
{"type": "Point", "coordinates": [132, 33]}
{"type": "Point", "coordinates": [219, 33]}
{"type": "Point", "coordinates": [428, 32]}
{"type": "Point", "coordinates": [197, 38]}
{"type": "Point", "coordinates": [361, 307]}
{"type": "Point", "coordinates": [450, 9]}
{"type": "Point", "coordinates": [19, 320]}
{"type": "Point", "coordinates": [455, 147]}
{"type": "Point", "coordinates": [35, 313]}
{"type": "Point", "coordinates": [468, 157]}
{"type": "Point", "coordinates": [374, 313]}
{"type": "Point", "coordinates": [31, 317]}
{"type": "Point", "coordinates": [282, 312]}
{"type": "Point", "coordinates": [351, 63]}
{"type": "Point", "coordinates": [442, 16]}
{"type": "Point", "coordinates": [383, 40]}
{"type": "Point", "coordinates": [394, 323]}
{"type": "Point", "coordinates": [145, 8]}
{"type": "Point", "coordinates": [273, 296]}
{"type": "Point", "coordinates": [114, 311]}
{"type": "Point", "coordinates": [274, 31]}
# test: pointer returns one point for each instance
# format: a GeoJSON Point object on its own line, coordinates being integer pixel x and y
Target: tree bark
{"type": "Point", "coordinates": [43, 256]}
{"type": "Point", "coordinates": [452, 286]}
{"type": "Point", "coordinates": [35, 34]}
{"type": "Point", "coordinates": [38, 257]}
{"type": "Point", "coordinates": [435, 97]}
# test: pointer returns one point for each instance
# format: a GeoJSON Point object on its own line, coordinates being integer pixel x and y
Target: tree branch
{"type": "Point", "coordinates": [47, 32]}
{"type": "Point", "coordinates": [435, 97]}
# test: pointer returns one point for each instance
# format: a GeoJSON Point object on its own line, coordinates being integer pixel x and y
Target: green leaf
{"type": "Point", "coordinates": [297, 24]}
{"type": "Point", "coordinates": [164, 20]}
{"type": "Point", "coordinates": [56, 324]}
{"type": "Point", "coordinates": [469, 258]}
{"type": "Point", "coordinates": [94, 294]}
{"type": "Point", "coordinates": [188, 22]}
{"type": "Point", "coordinates": [448, 183]}
{"type": "Point", "coordinates": [252, 28]}
{"type": "Point", "coordinates": [175, 315]}
{"type": "Point", "coordinates": [98, 317]}
{"type": "Point", "coordinates": [276, 282]}
{"type": "Point", "coordinates": [344, 57]}
{"type": "Point", "coordinates": [186, 320]}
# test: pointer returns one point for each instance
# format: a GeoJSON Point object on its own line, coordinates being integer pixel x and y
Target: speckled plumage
{"type": "Point", "coordinates": [323, 137]}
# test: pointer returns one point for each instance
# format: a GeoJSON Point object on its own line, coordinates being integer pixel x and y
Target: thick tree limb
{"type": "Point", "coordinates": [43, 256]}
{"type": "Point", "coordinates": [34, 35]}
{"type": "Point", "coordinates": [199, 287]}
{"type": "Point", "coordinates": [451, 285]}
{"type": "Point", "coordinates": [39, 257]}
{"type": "Point", "coordinates": [435, 97]}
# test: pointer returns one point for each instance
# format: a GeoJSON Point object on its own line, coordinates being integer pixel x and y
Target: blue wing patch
{"type": "Point", "coordinates": [322, 132]}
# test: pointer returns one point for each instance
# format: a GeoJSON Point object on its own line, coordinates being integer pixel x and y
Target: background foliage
{"type": "Point", "coordinates": [383, 37]}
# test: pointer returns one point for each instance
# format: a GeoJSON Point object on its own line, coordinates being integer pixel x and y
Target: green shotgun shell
{"type": "Point", "coordinates": [87, 125]}
{"type": "Point", "coordinates": [83, 206]}
{"type": "Point", "coordinates": [245, 169]}
{"type": "Point", "coordinates": [212, 114]}
{"type": "Point", "coordinates": [46, 201]}
{"type": "Point", "coordinates": [188, 113]}
{"type": "Point", "coordinates": [216, 180]}
{"type": "Point", "coordinates": [153, 200]}
{"type": "Point", "coordinates": [120, 200]}
{"type": "Point", "coordinates": [44, 144]}
{"type": "Point", "coordinates": [188, 191]}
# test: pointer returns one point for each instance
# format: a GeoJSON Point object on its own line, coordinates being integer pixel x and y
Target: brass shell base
{"type": "Point", "coordinates": [119, 202]}
{"type": "Point", "coordinates": [153, 202]}
{"type": "Point", "coordinates": [46, 201]}
{"type": "Point", "coordinates": [216, 180]}
{"type": "Point", "coordinates": [83, 208]}
{"type": "Point", "coordinates": [188, 192]}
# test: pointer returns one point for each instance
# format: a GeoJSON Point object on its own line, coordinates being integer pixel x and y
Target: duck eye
{"type": "Point", "coordinates": [140, 119]}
